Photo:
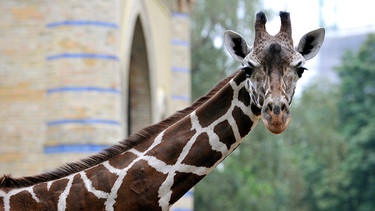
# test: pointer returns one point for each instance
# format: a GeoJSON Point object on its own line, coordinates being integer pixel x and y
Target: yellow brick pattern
{"type": "Point", "coordinates": [38, 36]}
{"type": "Point", "coordinates": [22, 86]}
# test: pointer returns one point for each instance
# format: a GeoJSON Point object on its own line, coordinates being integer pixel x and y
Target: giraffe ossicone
{"type": "Point", "coordinates": [152, 169]}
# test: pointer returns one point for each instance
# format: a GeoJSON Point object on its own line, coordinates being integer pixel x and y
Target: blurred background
{"type": "Point", "coordinates": [76, 77]}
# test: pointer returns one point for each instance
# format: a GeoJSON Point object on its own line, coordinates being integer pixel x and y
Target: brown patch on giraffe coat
{"type": "Point", "coordinates": [48, 197]}
{"type": "Point", "coordinates": [173, 142]}
{"type": "Point", "coordinates": [98, 175]}
{"type": "Point", "coordinates": [225, 133]}
{"type": "Point", "coordinates": [243, 121]}
{"type": "Point", "coordinates": [122, 161]}
{"type": "Point", "coordinates": [244, 96]}
{"type": "Point", "coordinates": [81, 199]}
{"type": "Point", "coordinates": [2, 202]}
{"type": "Point", "coordinates": [139, 189]}
{"type": "Point", "coordinates": [145, 145]}
{"type": "Point", "coordinates": [58, 187]}
{"type": "Point", "coordinates": [256, 111]}
{"type": "Point", "coordinates": [24, 201]}
{"type": "Point", "coordinates": [216, 107]}
{"type": "Point", "coordinates": [202, 148]}
{"type": "Point", "coordinates": [183, 183]}
{"type": "Point", "coordinates": [240, 77]}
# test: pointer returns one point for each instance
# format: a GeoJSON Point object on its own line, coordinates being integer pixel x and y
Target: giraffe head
{"type": "Point", "coordinates": [273, 66]}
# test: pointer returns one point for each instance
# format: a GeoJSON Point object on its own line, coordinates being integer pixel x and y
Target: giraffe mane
{"type": "Point", "coordinates": [70, 168]}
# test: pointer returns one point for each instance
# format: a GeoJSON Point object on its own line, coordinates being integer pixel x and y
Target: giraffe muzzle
{"type": "Point", "coordinates": [276, 116]}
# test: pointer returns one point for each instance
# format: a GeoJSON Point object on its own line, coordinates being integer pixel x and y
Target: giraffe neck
{"type": "Point", "coordinates": [194, 146]}
{"type": "Point", "coordinates": [157, 172]}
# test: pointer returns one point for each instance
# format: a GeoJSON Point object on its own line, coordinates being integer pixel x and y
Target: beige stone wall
{"type": "Point", "coordinates": [83, 89]}
{"type": "Point", "coordinates": [180, 49]}
{"type": "Point", "coordinates": [64, 71]}
{"type": "Point", "coordinates": [22, 86]}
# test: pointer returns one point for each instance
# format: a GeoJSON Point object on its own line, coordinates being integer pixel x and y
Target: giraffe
{"type": "Point", "coordinates": [152, 169]}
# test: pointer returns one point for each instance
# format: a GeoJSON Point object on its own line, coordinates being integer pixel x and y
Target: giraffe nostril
{"type": "Point", "coordinates": [269, 107]}
{"type": "Point", "coordinates": [284, 107]}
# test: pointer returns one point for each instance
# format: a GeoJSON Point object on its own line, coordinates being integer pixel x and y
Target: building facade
{"type": "Point", "coordinates": [76, 77]}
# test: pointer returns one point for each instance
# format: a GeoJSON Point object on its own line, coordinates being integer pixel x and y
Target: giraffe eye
{"type": "Point", "coordinates": [300, 71]}
{"type": "Point", "coordinates": [251, 64]}
{"type": "Point", "coordinates": [248, 71]}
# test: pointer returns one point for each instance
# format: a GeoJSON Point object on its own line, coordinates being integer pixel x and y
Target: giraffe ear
{"type": "Point", "coordinates": [310, 43]}
{"type": "Point", "coordinates": [236, 45]}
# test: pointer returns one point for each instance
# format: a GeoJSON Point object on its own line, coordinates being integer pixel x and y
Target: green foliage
{"type": "Point", "coordinates": [357, 73]}
{"type": "Point", "coordinates": [315, 140]}
{"type": "Point", "coordinates": [357, 116]}
{"type": "Point", "coordinates": [210, 18]}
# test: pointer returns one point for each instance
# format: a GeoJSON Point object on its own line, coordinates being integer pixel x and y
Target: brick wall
{"type": "Point", "coordinates": [60, 94]}
{"type": "Point", "coordinates": [64, 71]}
{"type": "Point", "coordinates": [83, 89]}
{"type": "Point", "coordinates": [22, 85]}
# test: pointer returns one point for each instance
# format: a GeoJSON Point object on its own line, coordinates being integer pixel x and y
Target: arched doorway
{"type": "Point", "coordinates": [139, 93]}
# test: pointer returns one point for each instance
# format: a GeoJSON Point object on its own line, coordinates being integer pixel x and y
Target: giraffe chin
{"type": "Point", "coordinates": [276, 125]}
